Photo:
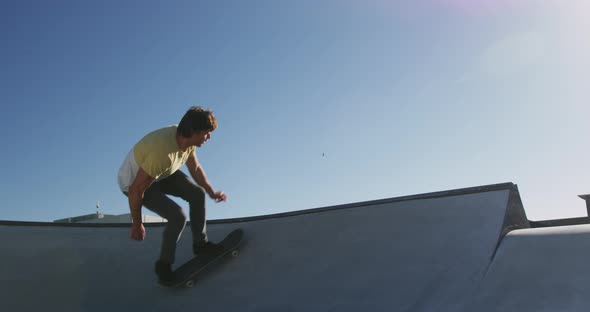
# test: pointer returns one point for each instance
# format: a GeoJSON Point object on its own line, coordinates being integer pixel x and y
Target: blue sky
{"type": "Point", "coordinates": [401, 98]}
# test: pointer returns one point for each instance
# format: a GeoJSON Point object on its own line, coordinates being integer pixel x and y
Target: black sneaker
{"type": "Point", "coordinates": [207, 248]}
{"type": "Point", "coordinates": [164, 271]}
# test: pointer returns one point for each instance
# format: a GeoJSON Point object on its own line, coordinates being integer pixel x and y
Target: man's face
{"type": "Point", "coordinates": [201, 137]}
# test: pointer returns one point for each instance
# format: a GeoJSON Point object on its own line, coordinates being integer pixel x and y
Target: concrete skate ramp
{"type": "Point", "coordinates": [426, 252]}
{"type": "Point", "coordinates": [539, 270]}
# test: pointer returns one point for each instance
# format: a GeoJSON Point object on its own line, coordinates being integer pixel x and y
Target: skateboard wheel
{"type": "Point", "coordinates": [235, 253]}
{"type": "Point", "coordinates": [190, 284]}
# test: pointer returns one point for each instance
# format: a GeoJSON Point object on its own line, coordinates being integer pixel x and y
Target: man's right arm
{"type": "Point", "coordinates": [136, 190]}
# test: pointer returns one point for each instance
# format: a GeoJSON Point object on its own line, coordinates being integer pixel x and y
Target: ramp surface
{"type": "Point", "coordinates": [430, 252]}
{"type": "Point", "coordinates": [539, 270]}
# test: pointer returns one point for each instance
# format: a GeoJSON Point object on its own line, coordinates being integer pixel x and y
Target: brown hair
{"type": "Point", "coordinates": [196, 119]}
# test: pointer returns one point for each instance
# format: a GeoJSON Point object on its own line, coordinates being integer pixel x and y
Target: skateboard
{"type": "Point", "coordinates": [186, 274]}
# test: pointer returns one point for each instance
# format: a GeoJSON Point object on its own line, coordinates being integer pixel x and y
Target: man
{"type": "Point", "coordinates": [151, 170]}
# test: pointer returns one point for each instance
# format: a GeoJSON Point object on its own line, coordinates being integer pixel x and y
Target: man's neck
{"type": "Point", "coordinates": [182, 142]}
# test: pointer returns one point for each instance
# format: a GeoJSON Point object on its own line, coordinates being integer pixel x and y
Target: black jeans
{"type": "Point", "coordinates": [155, 199]}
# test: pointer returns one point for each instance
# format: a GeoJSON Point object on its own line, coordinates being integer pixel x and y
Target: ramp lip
{"type": "Point", "coordinates": [440, 194]}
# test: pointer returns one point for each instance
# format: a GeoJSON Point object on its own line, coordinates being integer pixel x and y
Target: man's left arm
{"type": "Point", "coordinates": [200, 177]}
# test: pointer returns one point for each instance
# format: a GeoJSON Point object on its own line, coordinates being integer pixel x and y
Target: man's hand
{"type": "Point", "coordinates": [137, 232]}
{"type": "Point", "coordinates": [200, 177]}
{"type": "Point", "coordinates": [218, 196]}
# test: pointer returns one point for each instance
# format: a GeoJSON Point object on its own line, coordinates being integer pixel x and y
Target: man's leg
{"type": "Point", "coordinates": [179, 185]}
{"type": "Point", "coordinates": [155, 200]}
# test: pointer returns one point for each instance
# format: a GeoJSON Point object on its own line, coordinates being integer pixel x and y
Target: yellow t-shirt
{"type": "Point", "coordinates": [157, 154]}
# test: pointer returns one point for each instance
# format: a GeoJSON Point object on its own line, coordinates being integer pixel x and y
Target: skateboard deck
{"type": "Point", "coordinates": [185, 275]}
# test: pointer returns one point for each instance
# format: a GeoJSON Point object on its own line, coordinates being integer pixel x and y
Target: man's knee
{"type": "Point", "coordinates": [197, 195]}
{"type": "Point", "coordinates": [177, 219]}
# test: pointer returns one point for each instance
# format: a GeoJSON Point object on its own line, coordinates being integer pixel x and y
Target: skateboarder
{"type": "Point", "coordinates": [151, 171]}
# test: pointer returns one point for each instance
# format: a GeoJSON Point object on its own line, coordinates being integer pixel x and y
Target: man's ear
{"type": "Point", "coordinates": [195, 134]}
